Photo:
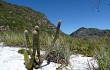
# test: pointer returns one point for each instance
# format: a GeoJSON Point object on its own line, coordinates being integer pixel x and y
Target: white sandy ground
{"type": "Point", "coordinates": [10, 59]}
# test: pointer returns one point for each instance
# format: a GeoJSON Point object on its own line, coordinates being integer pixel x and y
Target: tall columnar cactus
{"type": "Point", "coordinates": [31, 63]}
{"type": "Point", "coordinates": [57, 32]}
{"type": "Point", "coordinates": [26, 58]}
{"type": "Point", "coordinates": [27, 41]}
{"type": "Point", "coordinates": [27, 38]}
{"type": "Point", "coordinates": [38, 43]}
{"type": "Point", "coordinates": [50, 55]}
{"type": "Point", "coordinates": [35, 43]}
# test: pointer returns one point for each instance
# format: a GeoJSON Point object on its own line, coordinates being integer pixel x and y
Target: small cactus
{"type": "Point", "coordinates": [30, 64]}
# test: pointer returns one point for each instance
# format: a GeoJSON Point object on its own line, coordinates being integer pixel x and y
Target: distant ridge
{"type": "Point", "coordinates": [81, 32]}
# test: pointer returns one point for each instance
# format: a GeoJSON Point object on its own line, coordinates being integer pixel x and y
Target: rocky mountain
{"type": "Point", "coordinates": [81, 32]}
{"type": "Point", "coordinates": [18, 18]}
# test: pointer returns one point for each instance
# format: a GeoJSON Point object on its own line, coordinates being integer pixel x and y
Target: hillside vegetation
{"type": "Point", "coordinates": [15, 19]}
{"type": "Point", "coordinates": [19, 18]}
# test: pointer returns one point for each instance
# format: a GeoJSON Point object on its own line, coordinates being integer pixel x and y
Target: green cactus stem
{"type": "Point", "coordinates": [27, 38]}
{"type": "Point", "coordinates": [57, 32]}
{"type": "Point", "coordinates": [26, 58]}
{"type": "Point", "coordinates": [48, 56]}
{"type": "Point", "coordinates": [27, 41]}
{"type": "Point", "coordinates": [30, 65]}
{"type": "Point", "coordinates": [35, 43]}
{"type": "Point", "coordinates": [38, 44]}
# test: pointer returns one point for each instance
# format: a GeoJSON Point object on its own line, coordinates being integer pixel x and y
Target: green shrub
{"type": "Point", "coordinates": [102, 53]}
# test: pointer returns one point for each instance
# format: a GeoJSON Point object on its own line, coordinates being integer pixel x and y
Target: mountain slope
{"type": "Point", "coordinates": [81, 32]}
{"type": "Point", "coordinates": [15, 19]}
{"type": "Point", "coordinates": [19, 18]}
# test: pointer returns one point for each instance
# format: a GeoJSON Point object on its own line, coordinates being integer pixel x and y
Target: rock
{"type": "Point", "coordinates": [41, 22]}
{"type": "Point", "coordinates": [4, 27]}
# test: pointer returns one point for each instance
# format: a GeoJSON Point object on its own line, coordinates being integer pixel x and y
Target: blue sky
{"type": "Point", "coordinates": [73, 13]}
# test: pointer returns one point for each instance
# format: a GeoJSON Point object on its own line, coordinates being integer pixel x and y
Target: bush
{"type": "Point", "coordinates": [103, 54]}
{"type": "Point", "coordinates": [59, 53]}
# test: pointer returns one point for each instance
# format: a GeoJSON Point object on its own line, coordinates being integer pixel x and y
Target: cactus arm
{"type": "Point", "coordinates": [27, 41]}
{"type": "Point", "coordinates": [27, 38]}
{"type": "Point", "coordinates": [26, 58]}
{"type": "Point", "coordinates": [30, 64]}
{"type": "Point", "coordinates": [30, 51]}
